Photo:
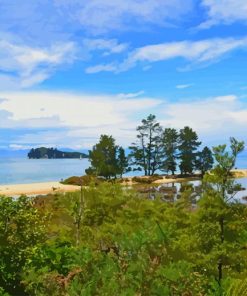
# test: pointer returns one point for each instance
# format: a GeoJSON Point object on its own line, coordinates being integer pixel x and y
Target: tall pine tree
{"type": "Point", "coordinates": [188, 145]}
{"type": "Point", "coordinates": [205, 160]}
{"type": "Point", "coordinates": [170, 144]}
{"type": "Point", "coordinates": [146, 152]}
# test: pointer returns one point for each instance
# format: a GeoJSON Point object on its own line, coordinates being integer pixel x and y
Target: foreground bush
{"type": "Point", "coordinates": [109, 240]}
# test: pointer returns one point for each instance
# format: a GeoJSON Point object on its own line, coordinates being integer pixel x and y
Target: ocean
{"type": "Point", "coordinates": [21, 170]}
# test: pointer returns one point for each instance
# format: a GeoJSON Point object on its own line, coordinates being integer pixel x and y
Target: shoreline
{"type": "Point", "coordinates": [43, 188]}
{"type": "Point", "coordinates": [36, 188]}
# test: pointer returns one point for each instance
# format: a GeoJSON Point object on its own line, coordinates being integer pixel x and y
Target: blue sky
{"type": "Point", "coordinates": [71, 70]}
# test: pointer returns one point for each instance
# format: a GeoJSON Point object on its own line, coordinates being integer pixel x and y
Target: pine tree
{"type": "Point", "coordinates": [188, 145]}
{"type": "Point", "coordinates": [170, 143]}
{"type": "Point", "coordinates": [122, 162]}
{"type": "Point", "coordinates": [205, 160]}
{"type": "Point", "coordinates": [104, 158]}
{"type": "Point", "coordinates": [146, 153]}
{"type": "Point", "coordinates": [221, 221]}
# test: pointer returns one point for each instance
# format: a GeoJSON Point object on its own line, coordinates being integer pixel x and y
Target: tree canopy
{"type": "Point", "coordinates": [146, 151]}
{"type": "Point", "coordinates": [188, 145]}
{"type": "Point", "coordinates": [107, 159]}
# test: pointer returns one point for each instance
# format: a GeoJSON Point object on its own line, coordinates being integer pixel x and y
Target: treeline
{"type": "Point", "coordinates": [155, 149]}
{"type": "Point", "coordinates": [49, 153]}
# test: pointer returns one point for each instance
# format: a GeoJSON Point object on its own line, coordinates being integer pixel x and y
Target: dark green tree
{"type": "Point", "coordinates": [188, 145]}
{"type": "Point", "coordinates": [170, 144]}
{"type": "Point", "coordinates": [205, 160]}
{"type": "Point", "coordinates": [122, 162]}
{"type": "Point", "coordinates": [146, 153]}
{"type": "Point", "coordinates": [107, 159]}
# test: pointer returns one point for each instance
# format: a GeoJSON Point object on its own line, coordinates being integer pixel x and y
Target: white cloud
{"type": "Point", "coordinates": [28, 65]}
{"type": "Point", "coordinates": [183, 86]}
{"type": "Point", "coordinates": [76, 120]}
{"type": "Point", "coordinates": [219, 115]}
{"type": "Point", "coordinates": [224, 11]}
{"type": "Point", "coordinates": [109, 46]}
{"type": "Point", "coordinates": [87, 115]}
{"type": "Point", "coordinates": [41, 22]}
{"type": "Point", "coordinates": [101, 68]}
{"type": "Point", "coordinates": [72, 120]}
{"type": "Point", "coordinates": [226, 99]}
{"type": "Point", "coordinates": [196, 52]}
{"type": "Point", "coordinates": [99, 16]}
{"type": "Point", "coordinates": [131, 95]}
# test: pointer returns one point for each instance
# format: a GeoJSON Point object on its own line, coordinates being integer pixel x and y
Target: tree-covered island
{"type": "Point", "coordinates": [50, 153]}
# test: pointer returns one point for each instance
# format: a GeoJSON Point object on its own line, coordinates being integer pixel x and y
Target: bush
{"type": "Point", "coordinates": [83, 180]}
{"type": "Point", "coordinates": [147, 180]}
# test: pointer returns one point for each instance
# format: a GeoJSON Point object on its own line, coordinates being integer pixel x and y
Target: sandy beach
{"type": "Point", "coordinates": [239, 173]}
{"type": "Point", "coordinates": [54, 187]}
{"type": "Point", "coordinates": [36, 188]}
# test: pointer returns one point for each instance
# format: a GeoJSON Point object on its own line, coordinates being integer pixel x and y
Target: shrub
{"type": "Point", "coordinates": [83, 180]}
{"type": "Point", "coordinates": [147, 180]}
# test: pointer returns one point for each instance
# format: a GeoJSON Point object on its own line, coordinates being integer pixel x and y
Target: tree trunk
{"type": "Point", "coordinates": [149, 153]}
{"type": "Point", "coordinates": [144, 156]}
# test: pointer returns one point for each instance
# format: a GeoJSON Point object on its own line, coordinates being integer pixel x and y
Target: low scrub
{"type": "Point", "coordinates": [83, 180]}
{"type": "Point", "coordinates": [147, 180]}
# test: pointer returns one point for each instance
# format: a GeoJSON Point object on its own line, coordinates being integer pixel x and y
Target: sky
{"type": "Point", "coordinates": [71, 70]}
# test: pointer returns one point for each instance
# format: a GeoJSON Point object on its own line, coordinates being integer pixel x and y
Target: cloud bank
{"type": "Point", "coordinates": [195, 52]}
{"type": "Point", "coordinates": [224, 12]}
{"type": "Point", "coordinates": [77, 120]}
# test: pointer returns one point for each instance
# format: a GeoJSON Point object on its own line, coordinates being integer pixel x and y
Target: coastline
{"type": "Point", "coordinates": [239, 173]}
{"type": "Point", "coordinates": [57, 187]}
{"type": "Point", "coordinates": [36, 188]}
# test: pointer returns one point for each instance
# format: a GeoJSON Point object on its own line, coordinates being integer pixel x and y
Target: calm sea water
{"type": "Point", "coordinates": [24, 170]}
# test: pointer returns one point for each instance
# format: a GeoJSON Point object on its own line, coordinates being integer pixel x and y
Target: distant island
{"type": "Point", "coordinates": [52, 153]}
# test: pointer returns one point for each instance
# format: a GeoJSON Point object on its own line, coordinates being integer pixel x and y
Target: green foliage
{"type": "Point", "coordinates": [205, 160]}
{"type": "Point", "coordinates": [22, 229]}
{"type": "Point", "coordinates": [122, 162]}
{"type": "Point", "coordinates": [107, 159]}
{"type": "Point", "coordinates": [128, 246]}
{"type": "Point", "coordinates": [221, 224]}
{"type": "Point", "coordinates": [170, 144]}
{"type": "Point", "coordinates": [146, 153]}
{"type": "Point", "coordinates": [3, 293]}
{"type": "Point", "coordinates": [146, 180]}
{"type": "Point", "coordinates": [188, 145]}
{"type": "Point", "coordinates": [83, 180]}
{"type": "Point", "coordinates": [238, 287]}
{"type": "Point", "coordinates": [110, 240]}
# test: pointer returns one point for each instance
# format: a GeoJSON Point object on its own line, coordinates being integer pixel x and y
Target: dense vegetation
{"type": "Point", "coordinates": [107, 159]}
{"type": "Point", "coordinates": [110, 240]}
{"type": "Point", "coordinates": [44, 152]}
{"type": "Point", "coordinates": [156, 149]}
